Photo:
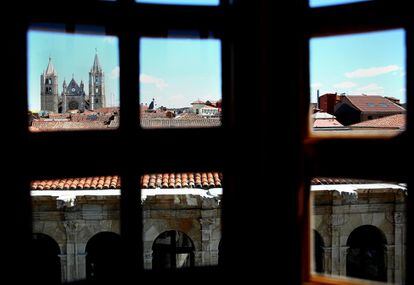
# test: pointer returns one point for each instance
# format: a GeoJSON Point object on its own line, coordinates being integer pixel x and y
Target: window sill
{"type": "Point", "coordinates": [322, 280]}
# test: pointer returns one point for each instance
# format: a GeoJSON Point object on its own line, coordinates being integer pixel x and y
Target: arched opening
{"type": "Point", "coordinates": [171, 250]}
{"type": "Point", "coordinates": [318, 252]}
{"type": "Point", "coordinates": [366, 257]}
{"type": "Point", "coordinates": [103, 257]}
{"type": "Point", "coordinates": [45, 260]}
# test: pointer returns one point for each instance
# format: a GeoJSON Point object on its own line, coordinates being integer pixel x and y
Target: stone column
{"type": "Point", "coordinates": [81, 265]}
{"type": "Point", "coordinates": [399, 248]}
{"type": "Point", "coordinates": [72, 269]}
{"type": "Point", "coordinates": [205, 224]}
{"type": "Point", "coordinates": [390, 262]}
{"type": "Point", "coordinates": [335, 250]}
{"type": "Point", "coordinates": [63, 267]}
{"type": "Point", "coordinates": [344, 252]}
{"type": "Point", "coordinates": [327, 260]}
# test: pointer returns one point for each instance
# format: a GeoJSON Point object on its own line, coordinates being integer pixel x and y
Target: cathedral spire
{"type": "Point", "coordinates": [50, 70]}
{"type": "Point", "coordinates": [96, 65]}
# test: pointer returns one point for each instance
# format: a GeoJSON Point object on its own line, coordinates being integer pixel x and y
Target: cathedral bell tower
{"type": "Point", "coordinates": [96, 86]}
{"type": "Point", "coordinates": [49, 89]}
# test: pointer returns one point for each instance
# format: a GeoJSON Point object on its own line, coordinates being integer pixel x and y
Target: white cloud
{"type": "Point", "coordinates": [316, 85]}
{"type": "Point", "coordinates": [372, 88]}
{"type": "Point", "coordinates": [148, 79]}
{"type": "Point", "coordinates": [115, 73]}
{"type": "Point", "coordinates": [371, 72]}
{"type": "Point", "coordinates": [345, 84]}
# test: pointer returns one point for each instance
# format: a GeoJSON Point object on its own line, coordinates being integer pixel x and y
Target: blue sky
{"type": "Point", "coordinates": [369, 63]}
{"type": "Point", "coordinates": [177, 72]}
{"type": "Point", "coordinates": [181, 2]}
{"type": "Point", "coordinates": [319, 3]}
{"type": "Point", "coordinates": [71, 54]}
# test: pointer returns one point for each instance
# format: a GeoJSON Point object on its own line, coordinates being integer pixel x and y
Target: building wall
{"type": "Point", "coordinates": [327, 103]}
{"type": "Point", "coordinates": [73, 223]}
{"type": "Point", "coordinates": [336, 215]}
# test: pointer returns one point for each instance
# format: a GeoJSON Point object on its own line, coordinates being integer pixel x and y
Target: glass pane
{"type": "Point", "coordinates": [182, 219]}
{"type": "Point", "coordinates": [358, 84]}
{"type": "Point", "coordinates": [182, 2]}
{"type": "Point", "coordinates": [76, 229]}
{"type": "Point", "coordinates": [73, 81]}
{"type": "Point", "coordinates": [180, 83]}
{"type": "Point", "coordinates": [320, 3]}
{"type": "Point", "coordinates": [359, 229]}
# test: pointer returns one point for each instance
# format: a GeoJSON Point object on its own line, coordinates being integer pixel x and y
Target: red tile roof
{"type": "Point", "coordinates": [85, 183]}
{"type": "Point", "coordinates": [390, 122]}
{"type": "Point", "coordinates": [326, 123]}
{"type": "Point", "coordinates": [204, 180]}
{"type": "Point", "coordinates": [374, 103]}
{"type": "Point", "coordinates": [329, 181]}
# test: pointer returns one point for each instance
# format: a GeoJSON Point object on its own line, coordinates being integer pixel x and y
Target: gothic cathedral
{"type": "Point", "coordinates": [73, 96]}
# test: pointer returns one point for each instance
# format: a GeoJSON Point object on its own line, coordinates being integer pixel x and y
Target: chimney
{"type": "Point", "coordinates": [317, 100]}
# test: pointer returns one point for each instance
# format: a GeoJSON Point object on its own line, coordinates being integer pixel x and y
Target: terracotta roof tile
{"type": "Point", "coordinates": [389, 122]}
{"type": "Point", "coordinates": [204, 180]}
{"type": "Point", "coordinates": [374, 103]}
{"type": "Point", "coordinates": [329, 181]}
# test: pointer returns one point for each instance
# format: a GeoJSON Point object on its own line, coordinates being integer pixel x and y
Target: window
{"type": "Point", "coordinates": [262, 147]}
{"type": "Point", "coordinates": [180, 83]}
{"type": "Point", "coordinates": [182, 219]}
{"type": "Point", "coordinates": [321, 3]}
{"type": "Point", "coordinates": [359, 229]}
{"type": "Point", "coordinates": [327, 156]}
{"type": "Point", "coordinates": [355, 79]}
{"type": "Point", "coordinates": [62, 100]}
{"type": "Point", "coordinates": [98, 234]}
{"type": "Point", "coordinates": [181, 2]}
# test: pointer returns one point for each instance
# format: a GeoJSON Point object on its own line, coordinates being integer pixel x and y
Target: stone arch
{"type": "Point", "coordinates": [45, 260]}
{"type": "Point", "coordinates": [318, 252]}
{"type": "Point", "coordinates": [367, 254]}
{"type": "Point", "coordinates": [171, 250]}
{"type": "Point", "coordinates": [103, 257]}
{"type": "Point", "coordinates": [158, 227]}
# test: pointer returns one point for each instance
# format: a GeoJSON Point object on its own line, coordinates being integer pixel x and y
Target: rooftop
{"type": "Point", "coordinates": [204, 180]}
{"type": "Point", "coordinates": [389, 122]}
{"type": "Point", "coordinates": [374, 103]}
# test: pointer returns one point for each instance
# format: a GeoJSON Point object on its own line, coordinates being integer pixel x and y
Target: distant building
{"type": "Point", "coordinates": [197, 105]}
{"type": "Point", "coordinates": [208, 111]}
{"type": "Point", "coordinates": [323, 121]}
{"type": "Point", "coordinates": [73, 96]}
{"type": "Point", "coordinates": [327, 103]}
{"type": "Point", "coordinates": [358, 108]}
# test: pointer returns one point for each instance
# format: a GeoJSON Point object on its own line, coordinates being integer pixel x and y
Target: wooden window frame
{"type": "Point", "coordinates": [369, 16]}
{"type": "Point", "coordinates": [254, 36]}
{"type": "Point", "coordinates": [127, 155]}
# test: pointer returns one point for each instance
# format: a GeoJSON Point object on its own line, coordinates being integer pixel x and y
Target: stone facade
{"type": "Point", "coordinates": [73, 96]}
{"type": "Point", "coordinates": [74, 222]}
{"type": "Point", "coordinates": [72, 218]}
{"type": "Point", "coordinates": [336, 215]}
